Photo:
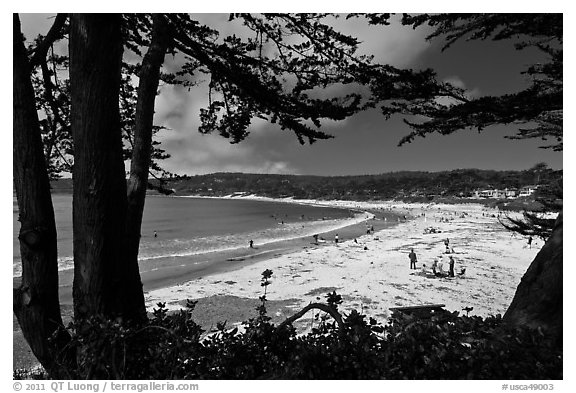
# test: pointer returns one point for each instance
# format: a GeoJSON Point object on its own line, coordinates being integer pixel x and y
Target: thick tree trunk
{"type": "Point", "coordinates": [141, 154]}
{"type": "Point", "coordinates": [35, 301]}
{"type": "Point", "coordinates": [103, 282]}
{"type": "Point", "coordinates": [538, 299]}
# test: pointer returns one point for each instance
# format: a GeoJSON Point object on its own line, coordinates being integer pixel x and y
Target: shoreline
{"type": "Point", "coordinates": [173, 270]}
{"type": "Point", "coordinates": [198, 267]}
{"type": "Point", "coordinates": [371, 275]}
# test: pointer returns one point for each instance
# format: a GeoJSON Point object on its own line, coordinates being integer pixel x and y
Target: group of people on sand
{"type": "Point", "coordinates": [317, 240]}
{"type": "Point", "coordinates": [437, 266]}
{"type": "Point", "coordinates": [438, 271]}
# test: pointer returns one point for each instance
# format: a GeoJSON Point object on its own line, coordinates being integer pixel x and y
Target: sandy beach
{"type": "Point", "coordinates": [373, 273]}
{"type": "Point", "coordinates": [178, 271]}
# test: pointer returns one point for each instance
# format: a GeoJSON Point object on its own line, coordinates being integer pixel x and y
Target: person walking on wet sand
{"type": "Point", "coordinates": [413, 259]}
{"type": "Point", "coordinates": [451, 267]}
{"type": "Point", "coordinates": [530, 242]}
{"type": "Point", "coordinates": [251, 243]}
{"type": "Point", "coordinates": [336, 239]}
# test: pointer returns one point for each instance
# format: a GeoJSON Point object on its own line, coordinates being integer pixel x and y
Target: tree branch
{"type": "Point", "coordinates": [56, 32]}
{"type": "Point", "coordinates": [319, 306]}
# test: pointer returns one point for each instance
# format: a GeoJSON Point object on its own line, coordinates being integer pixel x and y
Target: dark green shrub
{"type": "Point", "coordinates": [449, 346]}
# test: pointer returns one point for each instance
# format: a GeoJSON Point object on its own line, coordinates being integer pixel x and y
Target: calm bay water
{"type": "Point", "coordinates": [190, 226]}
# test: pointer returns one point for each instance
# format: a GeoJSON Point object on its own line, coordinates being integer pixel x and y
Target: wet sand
{"type": "Point", "coordinates": [176, 270]}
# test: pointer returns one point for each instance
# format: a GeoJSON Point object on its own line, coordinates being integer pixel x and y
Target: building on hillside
{"type": "Point", "coordinates": [496, 193]}
{"type": "Point", "coordinates": [488, 193]}
{"type": "Point", "coordinates": [511, 192]}
{"type": "Point", "coordinates": [527, 191]}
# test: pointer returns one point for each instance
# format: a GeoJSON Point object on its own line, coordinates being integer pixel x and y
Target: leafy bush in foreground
{"type": "Point", "coordinates": [449, 346]}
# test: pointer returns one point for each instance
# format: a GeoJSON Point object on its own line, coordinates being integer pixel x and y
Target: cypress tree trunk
{"type": "Point", "coordinates": [103, 282]}
{"type": "Point", "coordinates": [35, 301]}
{"type": "Point", "coordinates": [538, 299]}
{"type": "Point", "coordinates": [141, 156]}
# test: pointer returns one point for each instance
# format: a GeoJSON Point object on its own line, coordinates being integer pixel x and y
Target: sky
{"type": "Point", "coordinates": [365, 143]}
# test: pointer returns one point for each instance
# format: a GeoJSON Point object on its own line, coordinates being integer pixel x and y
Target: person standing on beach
{"type": "Point", "coordinates": [155, 234]}
{"type": "Point", "coordinates": [251, 243]}
{"type": "Point", "coordinates": [439, 268]}
{"type": "Point", "coordinates": [451, 267]}
{"type": "Point", "coordinates": [336, 239]}
{"type": "Point", "coordinates": [530, 242]}
{"type": "Point", "coordinates": [315, 238]}
{"type": "Point", "coordinates": [413, 259]}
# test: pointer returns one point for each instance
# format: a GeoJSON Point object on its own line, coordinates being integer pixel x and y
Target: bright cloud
{"type": "Point", "coordinates": [395, 44]}
{"type": "Point", "coordinates": [458, 82]}
{"type": "Point", "coordinates": [178, 109]}
{"type": "Point", "coordinates": [194, 153]}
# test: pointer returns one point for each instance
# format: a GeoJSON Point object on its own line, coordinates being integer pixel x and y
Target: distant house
{"type": "Point", "coordinates": [527, 191]}
{"type": "Point", "coordinates": [511, 192]}
{"type": "Point", "coordinates": [501, 194]}
{"type": "Point", "coordinates": [496, 193]}
{"type": "Point", "coordinates": [488, 193]}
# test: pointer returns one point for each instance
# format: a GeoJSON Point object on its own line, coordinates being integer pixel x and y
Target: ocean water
{"type": "Point", "coordinates": [190, 226]}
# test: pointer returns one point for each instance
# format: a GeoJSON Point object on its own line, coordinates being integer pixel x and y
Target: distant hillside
{"type": "Point", "coordinates": [428, 185]}
{"type": "Point", "coordinates": [423, 186]}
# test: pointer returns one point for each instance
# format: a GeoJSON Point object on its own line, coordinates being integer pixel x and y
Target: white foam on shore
{"type": "Point", "coordinates": [266, 236]}
{"type": "Point", "coordinates": [378, 278]}
{"type": "Point", "coordinates": [285, 232]}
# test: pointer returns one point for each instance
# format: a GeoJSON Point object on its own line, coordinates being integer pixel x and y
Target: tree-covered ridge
{"type": "Point", "coordinates": [455, 183]}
